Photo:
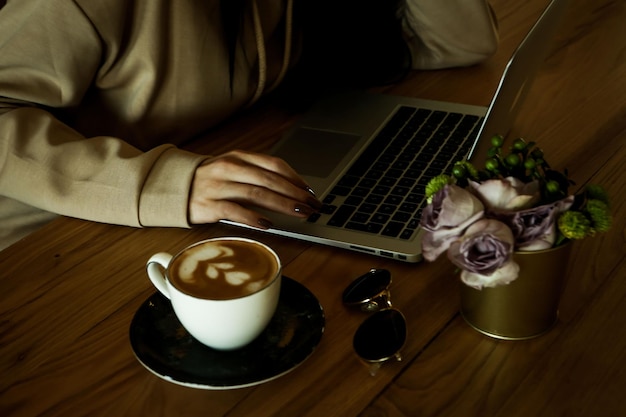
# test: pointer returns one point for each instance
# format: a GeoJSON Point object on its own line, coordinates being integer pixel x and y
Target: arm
{"type": "Point", "coordinates": [50, 58]}
{"type": "Point", "coordinates": [449, 33]}
{"type": "Point", "coordinates": [48, 165]}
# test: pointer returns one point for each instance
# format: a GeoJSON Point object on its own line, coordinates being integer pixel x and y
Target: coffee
{"type": "Point", "coordinates": [223, 269]}
{"type": "Point", "coordinates": [224, 291]}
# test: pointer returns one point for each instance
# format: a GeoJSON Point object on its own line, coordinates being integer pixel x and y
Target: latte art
{"type": "Point", "coordinates": [223, 269]}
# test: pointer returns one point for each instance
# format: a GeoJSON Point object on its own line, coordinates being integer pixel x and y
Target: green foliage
{"type": "Point", "coordinates": [589, 214]}
{"type": "Point", "coordinates": [436, 184]}
{"type": "Point", "coordinates": [598, 212]}
{"type": "Point", "coordinates": [574, 225]}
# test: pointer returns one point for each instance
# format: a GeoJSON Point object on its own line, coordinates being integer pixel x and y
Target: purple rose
{"type": "Point", "coordinates": [507, 194]}
{"type": "Point", "coordinates": [484, 253]}
{"type": "Point", "coordinates": [452, 210]}
{"type": "Point", "coordinates": [534, 229]}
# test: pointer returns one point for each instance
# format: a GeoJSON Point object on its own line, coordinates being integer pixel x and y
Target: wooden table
{"type": "Point", "coordinates": [68, 292]}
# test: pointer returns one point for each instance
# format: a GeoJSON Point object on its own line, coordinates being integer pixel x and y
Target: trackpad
{"type": "Point", "coordinates": [315, 152]}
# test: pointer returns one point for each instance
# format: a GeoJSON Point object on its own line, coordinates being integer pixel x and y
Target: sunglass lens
{"type": "Point", "coordinates": [368, 287]}
{"type": "Point", "coordinates": [381, 336]}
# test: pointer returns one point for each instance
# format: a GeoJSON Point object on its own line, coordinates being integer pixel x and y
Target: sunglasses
{"type": "Point", "coordinates": [382, 335]}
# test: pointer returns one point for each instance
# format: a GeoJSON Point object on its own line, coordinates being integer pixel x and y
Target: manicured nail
{"type": "Point", "coordinates": [265, 224]}
{"type": "Point", "coordinates": [310, 190]}
{"type": "Point", "coordinates": [315, 203]}
{"type": "Point", "coordinates": [303, 210]}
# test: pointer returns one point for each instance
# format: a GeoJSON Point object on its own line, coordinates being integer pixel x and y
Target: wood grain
{"type": "Point", "coordinates": [69, 291]}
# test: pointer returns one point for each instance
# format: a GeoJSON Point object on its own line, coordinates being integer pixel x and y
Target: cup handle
{"type": "Point", "coordinates": [156, 266]}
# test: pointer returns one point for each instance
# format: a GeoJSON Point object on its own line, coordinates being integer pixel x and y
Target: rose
{"type": "Point", "coordinates": [506, 214]}
{"type": "Point", "coordinates": [507, 194]}
{"type": "Point", "coordinates": [535, 228]}
{"type": "Point", "coordinates": [484, 253]}
{"type": "Point", "coordinates": [452, 210]}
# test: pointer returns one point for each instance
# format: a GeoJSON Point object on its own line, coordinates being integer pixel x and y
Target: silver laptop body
{"type": "Point", "coordinates": [324, 144]}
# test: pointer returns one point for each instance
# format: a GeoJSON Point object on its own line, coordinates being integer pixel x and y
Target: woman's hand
{"type": "Point", "coordinates": [226, 186]}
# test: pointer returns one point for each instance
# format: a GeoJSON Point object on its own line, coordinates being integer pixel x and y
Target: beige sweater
{"type": "Point", "coordinates": [95, 96]}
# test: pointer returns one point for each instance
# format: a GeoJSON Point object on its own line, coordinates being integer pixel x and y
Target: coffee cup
{"type": "Point", "coordinates": [224, 291]}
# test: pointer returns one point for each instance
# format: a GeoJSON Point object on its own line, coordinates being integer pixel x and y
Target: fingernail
{"type": "Point", "coordinates": [265, 224]}
{"type": "Point", "coordinates": [315, 203]}
{"type": "Point", "coordinates": [310, 190]}
{"type": "Point", "coordinates": [303, 210]}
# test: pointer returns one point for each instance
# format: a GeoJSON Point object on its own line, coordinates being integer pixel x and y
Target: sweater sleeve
{"type": "Point", "coordinates": [47, 164]}
{"type": "Point", "coordinates": [449, 33]}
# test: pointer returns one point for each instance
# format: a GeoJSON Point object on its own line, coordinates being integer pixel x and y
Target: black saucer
{"type": "Point", "coordinates": [165, 348]}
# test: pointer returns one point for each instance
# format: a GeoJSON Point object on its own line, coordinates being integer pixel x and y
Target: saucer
{"type": "Point", "coordinates": [165, 348]}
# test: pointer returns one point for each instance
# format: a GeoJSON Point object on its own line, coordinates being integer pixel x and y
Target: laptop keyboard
{"type": "Point", "coordinates": [383, 192]}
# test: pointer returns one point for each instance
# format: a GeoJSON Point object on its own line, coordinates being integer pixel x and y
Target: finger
{"type": "Point", "coordinates": [281, 168]}
{"type": "Point", "coordinates": [272, 164]}
{"type": "Point", "coordinates": [212, 200]}
{"type": "Point", "coordinates": [253, 195]}
{"type": "Point", "coordinates": [227, 210]}
{"type": "Point", "coordinates": [232, 170]}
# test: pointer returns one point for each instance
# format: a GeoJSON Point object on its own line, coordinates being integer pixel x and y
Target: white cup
{"type": "Point", "coordinates": [226, 318]}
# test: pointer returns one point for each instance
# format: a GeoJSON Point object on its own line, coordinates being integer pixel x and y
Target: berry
{"type": "Point", "coordinates": [519, 144]}
{"type": "Point", "coordinates": [459, 171]}
{"type": "Point", "coordinates": [552, 186]}
{"type": "Point", "coordinates": [530, 164]}
{"type": "Point", "coordinates": [491, 164]}
{"type": "Point", "coordinates": [513, 160]}
{"type": "Point", "coordinates": [497, 141]}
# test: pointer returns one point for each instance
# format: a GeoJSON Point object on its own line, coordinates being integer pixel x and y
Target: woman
{"type": "Point", "coordinates": [96, 95]}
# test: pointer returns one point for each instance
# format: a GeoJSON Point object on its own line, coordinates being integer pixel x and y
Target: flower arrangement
{"type": "Point", "coordinates": [516, 203]}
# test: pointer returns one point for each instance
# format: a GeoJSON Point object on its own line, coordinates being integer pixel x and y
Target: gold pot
{"type": "Point", "coordinates": [525, 308]}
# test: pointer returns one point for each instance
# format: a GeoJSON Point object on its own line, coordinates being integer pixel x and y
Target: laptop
{"type": "Point", "coordinates": [369, 156]}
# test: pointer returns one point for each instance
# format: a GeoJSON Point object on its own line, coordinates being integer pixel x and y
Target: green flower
{"type": "Point", "coordinates": [471, 169]}
{"type": "Point", "coordinates": [587, 212]}
{"type": "Point", "coordinates": [436, 184]}
{"type": "Point", "coordinates": [599, 213]}
{"type": "Point", "coordinates": [597, 192]}
{"type": "Point", "coordinates": [574, 225]}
